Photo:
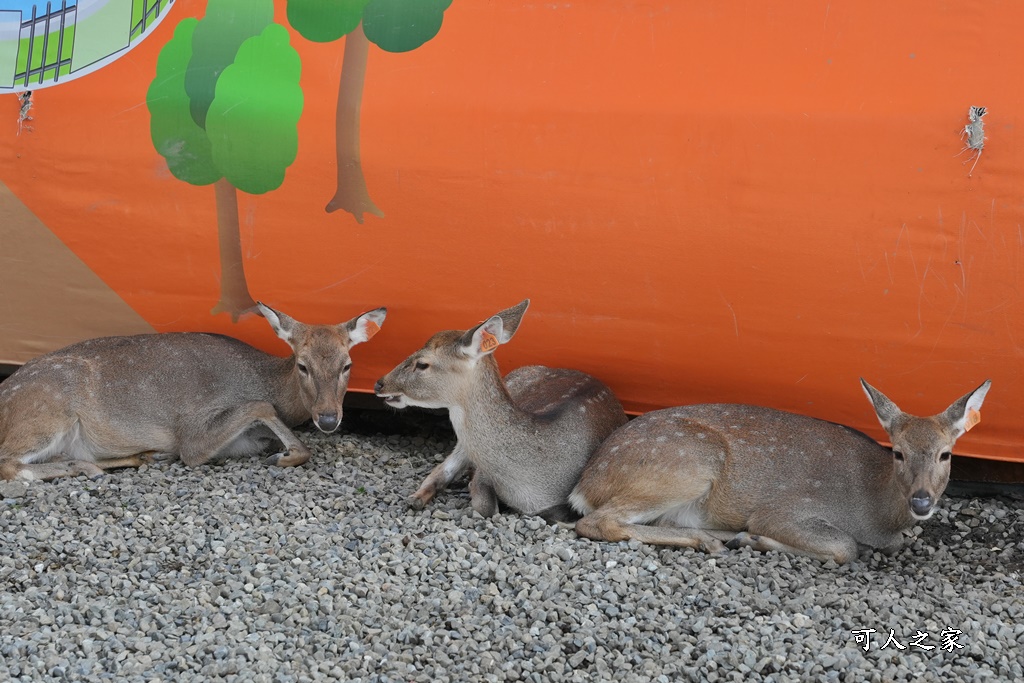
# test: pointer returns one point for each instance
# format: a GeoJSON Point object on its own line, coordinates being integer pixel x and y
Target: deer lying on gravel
{"type": "Point", "coordinates": [122, 401]}
{"type": "Point", "coordinates": [527, 437]}
{"type": "Point", "coordinates": [697, 475]}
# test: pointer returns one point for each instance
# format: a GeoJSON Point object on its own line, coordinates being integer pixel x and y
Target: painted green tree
{"type": "Point", "coordinates": [392, 25]}
{"type": "Point", "coordinates": [224, 108]}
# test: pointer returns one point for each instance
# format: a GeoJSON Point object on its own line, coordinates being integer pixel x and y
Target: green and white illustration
{"type": "Point", "coordinates": [48, 42]}
{"type": "Point", "coordinates": [224, 107]}
{"type": "Point", "coordinates": [391, 25]}
{"type": "Point", "coordinates": [226, 100]}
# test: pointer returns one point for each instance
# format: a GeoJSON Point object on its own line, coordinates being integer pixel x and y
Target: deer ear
{"type": "Point", "coordinates": [966, 410]}
{"type": "Point", "coordinates": [283, 325]}
{"type": "Point", "coordinates": [510, 319]}
{"type": "Point", "coordinates": [363, 327]}
{"type": "Point", "coordinates": [496, 330]}
{"type": "Point", "coordinates": [886, 410]}
{"type": "Point", "coordinates": [485, 337]}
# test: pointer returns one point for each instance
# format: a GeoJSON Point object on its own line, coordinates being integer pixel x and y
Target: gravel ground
{"type": "Point", "coordinates": [241, 572]}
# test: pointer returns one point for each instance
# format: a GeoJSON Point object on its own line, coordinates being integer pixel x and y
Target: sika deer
{"type": "Point", "coordinates": [696, 475]}
{"type": "Point", "coordinates": [527, 437]}
{"type": "Point", "coordinates": [121, 401]}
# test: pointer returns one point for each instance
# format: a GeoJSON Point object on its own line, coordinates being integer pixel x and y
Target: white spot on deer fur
{"type": "Point", "coordinates": [614, 449]}
{"type": "Point", "coordinates": [583, 409]}
{"type": "Point", "coordinates": [701, 435]}
{"type": "Point", "coordinates": [662, 439]}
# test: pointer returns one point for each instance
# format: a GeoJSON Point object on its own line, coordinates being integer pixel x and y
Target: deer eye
{"type": "Point", "coordinates": [420, 365]}
{"type": "Point", "coordinates": [898, 455]}
{"type": "Point", "coordinates": [302, 368]}
{"type": "Point", "coordinates": [945, 456]}
{"type": "Point", "coordinates": [348, 366]}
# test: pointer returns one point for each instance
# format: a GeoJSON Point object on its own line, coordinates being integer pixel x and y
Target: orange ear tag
{"type": "Point", "coordinates": [973, 418]}
{"type": "Point", "coordinates": [371, 328]}
{"type": "Point", "coordinates": [487, 342]}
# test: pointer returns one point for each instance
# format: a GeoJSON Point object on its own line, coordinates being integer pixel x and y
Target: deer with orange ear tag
{"type": "Point", "coordinates": [696, 476]}
{"type": "Point", "coordinates": [527, 436]}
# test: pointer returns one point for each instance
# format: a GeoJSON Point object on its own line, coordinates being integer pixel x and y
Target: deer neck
{"type": "Point", "coordinates": [485, 410]}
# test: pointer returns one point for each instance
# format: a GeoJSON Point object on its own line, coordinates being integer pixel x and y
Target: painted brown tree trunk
{"type": "Point", "coordinates": [352, 195]}
{"type": "Point", "coordinates": [234, 291]}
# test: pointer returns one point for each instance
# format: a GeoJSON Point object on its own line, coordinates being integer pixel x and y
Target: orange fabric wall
{"type": "Point", "coordinates": [743, 201]}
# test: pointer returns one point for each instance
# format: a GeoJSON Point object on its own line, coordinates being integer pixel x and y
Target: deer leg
{"type": "Point", "coordinates": [439, 478]}
{"type": "Point", "coordinates": [33, 450]}
{"type": "Point", "coordinates": [137, 460]}
{"type": "Point", "coordinates": [61, 468]}
{"type": "Point", "coordinates": [563, 513]}
{"type": "Point", "coordinates": [226, 431]}
{"type": "Point", "coordinates": [159, 456]}
{"type": "Point", "coordinates": [295, 452]}
{"type": "Point", "coordinates": [812, 538]}
{"type": "Point", "coordinates": [482, 496]}
{"type": "Point", "coordinates": [55, 469]}
{"type": "Point", "coordinates": [611, 525]}
{"type": "Point", "coordinates": [45, 471]}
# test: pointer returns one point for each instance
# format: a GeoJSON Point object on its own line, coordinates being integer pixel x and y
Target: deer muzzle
{"type": "Point", "coordinates": [327, 422]}
{"type": "Point", "coordinates": [922, 505]}
{"type": "Point", "coordinates": [395, 400]}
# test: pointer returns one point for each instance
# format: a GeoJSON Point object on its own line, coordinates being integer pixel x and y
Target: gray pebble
{"type": "Point", "coordinates": [241, 572]}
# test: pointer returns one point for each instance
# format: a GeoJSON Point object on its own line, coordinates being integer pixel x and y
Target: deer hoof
{"type": "Point", "coordinates": [415, 502]}
{"type": "Point", "coordinates": [293, 458]}
{"type": "Point", "coordinates": [743, 540]}
{"type": "Point", "coordinates": [156, 456]}
{"type": "Point", "coordinates": [713, 545]}
{"type": "Point", "coordinates": [274, 459]}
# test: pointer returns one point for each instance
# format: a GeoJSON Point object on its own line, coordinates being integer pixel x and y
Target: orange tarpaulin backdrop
{"type": "Point", "coordinates": [746, 202]}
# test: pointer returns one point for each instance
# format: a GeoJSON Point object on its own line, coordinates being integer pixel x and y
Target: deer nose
{"type": "Point", "coordinates": [327, 422]}
{"type": "Point", "coordinates": [379, 386]}
{"type": "Point", "coordinates": [921, 503]}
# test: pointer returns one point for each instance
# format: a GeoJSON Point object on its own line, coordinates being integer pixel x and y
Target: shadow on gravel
{"type": "Point", "coordinates": [388, 422]}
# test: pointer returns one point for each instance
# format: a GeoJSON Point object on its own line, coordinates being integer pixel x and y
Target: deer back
{"type": "Point", "coordinates": [566, 402]}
